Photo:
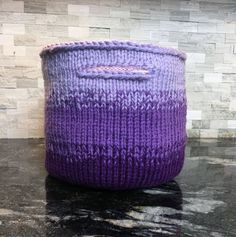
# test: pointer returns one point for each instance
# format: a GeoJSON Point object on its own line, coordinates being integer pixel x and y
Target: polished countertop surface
{"type": "Point", "coordinates": [200, 202]}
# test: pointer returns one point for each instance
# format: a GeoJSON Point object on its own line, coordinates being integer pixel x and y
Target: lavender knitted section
{"type": "Point", "coordinates": [115, 113]}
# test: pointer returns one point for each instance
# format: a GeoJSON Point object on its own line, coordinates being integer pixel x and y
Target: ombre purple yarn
{"type": "Point", "coordinates": [115, 113]}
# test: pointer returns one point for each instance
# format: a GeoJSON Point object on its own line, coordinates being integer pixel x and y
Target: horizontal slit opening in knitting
{"type": "Point", "coordinates": [115, 72]}
{"type": "Point", "coordinates": [117, 69]}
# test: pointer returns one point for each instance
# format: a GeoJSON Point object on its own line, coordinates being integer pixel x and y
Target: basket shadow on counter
{"type": "Point", "coordinates": [78, 211]}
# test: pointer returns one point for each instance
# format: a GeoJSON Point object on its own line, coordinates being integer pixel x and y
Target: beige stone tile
{"type": "Point", "coordinates": [27, 83]}
{"type": "Point", "coordinates": [97, 32]}
{"type": "Point", "coordinates": [40, 30]}
{"type": "Point", "coordinates": [170, 4]}
{"type": "Point", "coordinates": [224, 48]}
{"type": "Point", "coordinates": [57, 20]}
{"type": "Point", "coordinates": [12, 121]}
{"type": "Point", "coordinates": [57, 31]}
{"type": "Point", "coordinates": [103, 11]}
{"type": "Point", "coordinates": [178, 26]}
{"type": "Point", "coordinates": [153, 25]}
{"type": "Point", "coordinates": [150, 4]}
{"type": "Point", "coordinates": [6, 61]}
{"type": "Point", "coordinates": [17, 18]}
{"type": "Point", "coordinates": [69, 20]}
{"type": "Point", "coordinates": [221, 105]}
{"type": "Point", "coordinates": [34, 6]}
{"type": "Point", "coordinates": [206, 37]}
{"type": "Point", "coordinates": [23, 123]}
{"type": "Point", "coordinates": [36, 113]}
{"type": "Point", "coordinates": [99, 22]}
{"type": "Point", "coordinates": [160, 36]}
{"type": "Point", "coordinates": [189, 6]}
{"type": "Point", "coordinates": [36, 133]}
{"type": "Point", "coordinates": [34, 124]}
{"type": "Point", "coordinates": [194, 114]}
{"type": "Point", "coordinates": [78, 32]}
{"type": "Point", "coordinates": [224, 68]}
{"type": "Point", "coordinates": [78, 10]}
{"type": "Point", "coordinates": [25, 40]}
{"type": "Point", "coordinates": [42, 19]}
{"type": "Point", "coordinates": [196, 57]}
{"type": "Point", "coordinates": [6, 40]}
{"type": "Point", "coordinates": [213, 58]}
{"type": "Point", "coordinates": [229, 78]}
{"type": "Point", "coordinates": [33, 51]}
{"type": "Point", "coordinates": [189, 124]}
{"type": "Point", "coordinates": [47, 40]}
{"type": "Point", "coordinates": [120, 33]}
{"type": "Point", "coordinates": [13, 29]}
{"type": "Point", "coordinates": [85, 2]}
{"type": "Point", "coordinates": [17, 133]}
{"type": "Point", "coordinates": [7, 103]}
{"type": "Point", "coordinates": [32, 73]}
{"type": "Point", "coordinates": [140, 14]}
{"type": "Point", "coordinates": [167, 44]}
{"type": "Point", "coordinates": [119, 12]}
{"type": "Point", "coordinates": [35, 93]}
{"type": "Point", "coordinates": [58, 8]}
{"type": "Point", "coordinates": [14, 50]}
{"type": "Point", "coordinates": [11, 72]}
{"type": "Point", "coordinates": [232, 124]}
{"type": "Point", "coordinates": [26, 62]}
{"type": "Point", "coordinates": [40, 83]}
{"type": "Point", "coordinates": [232, 105]}
{"type": "Point", "coordinates": [128, 24]}
{"type": "Point", "coordinates": [19, 94]}
{"type": "Point", "coordinates": [3, 131]}
{"type": "Point", "coordinates": [194, 47]}
{"type": "Point", "coordinates": [200, 124]}
{"type": "Point", "coordinates": [112, 3]}
{"type": "Point", "coordinates": [163, 15]}
{"type": "Point", "coordinates": [230, 58]}
{"type": "Point", "coordinates": [3, 124]}
{"type": "Point", "coordinates": [230, 38]}
{"type": "Point", "coordinates": [12, 6]}
{"type": "Point", "coordinates": [22, 108]}
{"type": "Point", "coordinates": [193, 133]}
{"type": "Point", "coordinates": [206, 28]}
{"type": "Point", "coordinates": [199, 16]}
{"type": "Point", "coordinates": [6, 82]}
{"type": "Point", "coordinates": [212, 77]}
{"type": "Point", "coordinates": [218, 124]}
{"type": "Point", "coordinates": [209, 133]}
{"type": "Point", "coordinates": [219, 114]}
{"type": "Point", "coordinates": [226, 28]}
{"type": "Point", "coordinates": [140, 34]}
{"type": "Point", "coordinates": [130, 4]}
{"type": "Point", "coordinates": [203, 67]}
{"type": "Point", "coordinates": [227, 133]}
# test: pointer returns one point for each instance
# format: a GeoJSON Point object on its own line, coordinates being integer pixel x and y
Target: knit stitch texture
{"type": "Point", "coordinates": [115, 113]}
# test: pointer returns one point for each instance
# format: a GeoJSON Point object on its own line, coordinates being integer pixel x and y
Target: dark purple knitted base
{"type": "Point", "coordinates": [116, 172]}
{"type": "Point", "coordinates": [115, 114]}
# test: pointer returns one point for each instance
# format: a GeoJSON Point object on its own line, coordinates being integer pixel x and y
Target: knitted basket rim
{"type": "Point", "coordinates": [113, 44]}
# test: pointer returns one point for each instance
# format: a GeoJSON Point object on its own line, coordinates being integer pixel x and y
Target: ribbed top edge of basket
{"type": "Point", "coordinates": [109, 45]}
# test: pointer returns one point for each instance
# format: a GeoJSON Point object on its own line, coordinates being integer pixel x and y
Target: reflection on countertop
{"type": "Point", "coordinates": [200, 202]}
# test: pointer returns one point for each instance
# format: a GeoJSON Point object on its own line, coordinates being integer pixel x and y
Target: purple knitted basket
{"type": "Point", "coordinates": [115, 113]}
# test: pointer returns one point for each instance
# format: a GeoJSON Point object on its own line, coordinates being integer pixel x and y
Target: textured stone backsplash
{"type": "Point", "coordinates": [205, 30]}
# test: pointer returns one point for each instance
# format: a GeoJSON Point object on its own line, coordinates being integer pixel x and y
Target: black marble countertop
{"type": "Point", "coordinates": [200, 202]}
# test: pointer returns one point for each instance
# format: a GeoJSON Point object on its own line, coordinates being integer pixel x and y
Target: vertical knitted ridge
{"type": "Point", "coordinates": [115, 113]}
